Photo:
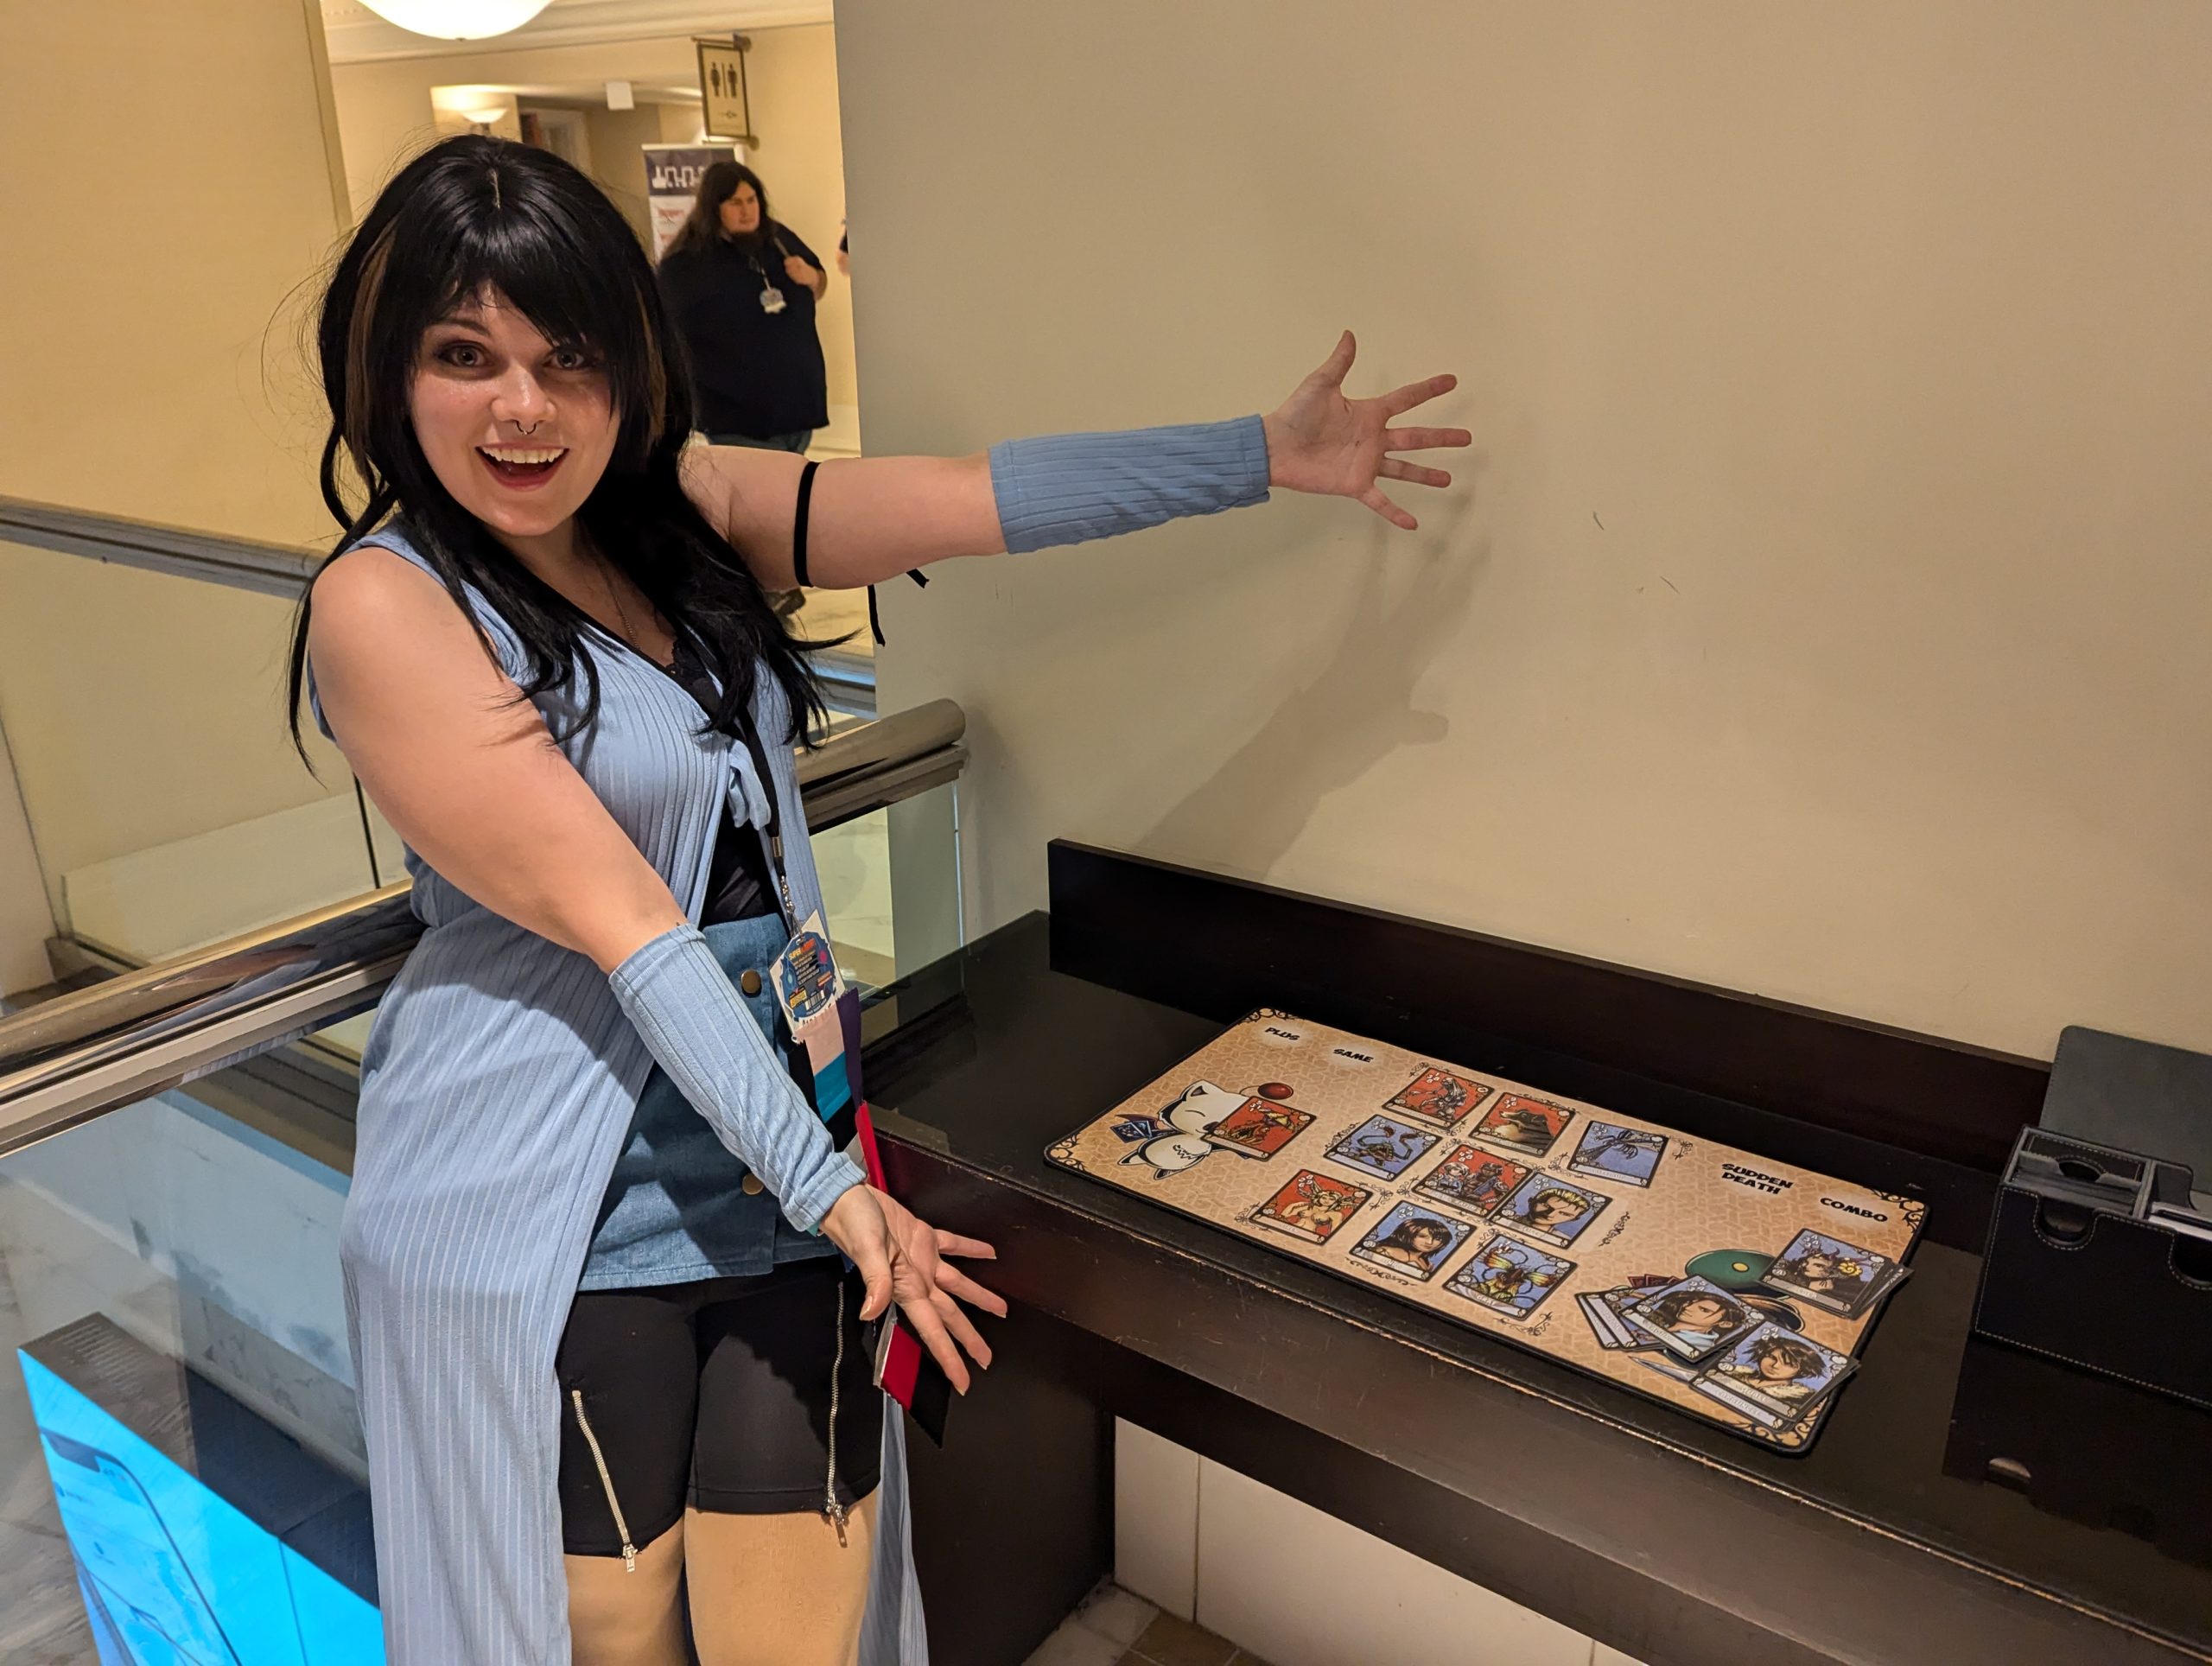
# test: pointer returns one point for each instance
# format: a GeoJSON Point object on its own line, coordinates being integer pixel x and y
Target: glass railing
{"type": "Point", "coordinates": [181, 1471]}
{"type": "Point", "coordinates": [139, 665]}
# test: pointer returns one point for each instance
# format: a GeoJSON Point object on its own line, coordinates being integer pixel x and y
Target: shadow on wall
{"type": "Point", "coordinates": [1334, 730]}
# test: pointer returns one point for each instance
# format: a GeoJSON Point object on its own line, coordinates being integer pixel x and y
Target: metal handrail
{"type": "Point", "coordinates": [70, 1060]}
{"type": "Point", "coordinates": [278, 569]}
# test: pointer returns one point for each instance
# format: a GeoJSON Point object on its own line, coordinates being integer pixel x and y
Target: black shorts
{"type": "Point", "coordinates": [717, 1395]}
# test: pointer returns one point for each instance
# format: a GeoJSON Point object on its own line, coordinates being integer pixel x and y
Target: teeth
{"type": "Point", "coordinates": [504, 453]}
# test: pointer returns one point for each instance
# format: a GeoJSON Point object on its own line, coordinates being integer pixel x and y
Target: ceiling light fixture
{"type": "Point", "coordinates": [457, 20]}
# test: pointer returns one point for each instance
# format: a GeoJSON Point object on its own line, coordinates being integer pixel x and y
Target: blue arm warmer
{"type": "Point", "coordinates": [698, 1029]}
{"type": "Point", "coordinates": [1063, 488]}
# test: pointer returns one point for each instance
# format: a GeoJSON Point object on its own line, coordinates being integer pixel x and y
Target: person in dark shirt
{"type": "Point", "coordinates": [741, 287]}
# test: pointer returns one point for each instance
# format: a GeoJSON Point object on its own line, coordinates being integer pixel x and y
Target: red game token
{"type": "Point", "coordinates": [1275, 1089]}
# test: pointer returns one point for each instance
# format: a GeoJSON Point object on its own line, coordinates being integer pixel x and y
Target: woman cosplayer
{"type": "Point", "coordinates": [606, 1267]}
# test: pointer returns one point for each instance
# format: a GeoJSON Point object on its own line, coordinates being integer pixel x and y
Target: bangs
{"type": "Point", "coordinates": [543, 259]}
{"type": "Point", "coordinates": [571, 301]}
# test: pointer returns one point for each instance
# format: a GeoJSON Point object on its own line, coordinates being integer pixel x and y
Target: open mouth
{"type": "Point", "coordinates": [522, 466]}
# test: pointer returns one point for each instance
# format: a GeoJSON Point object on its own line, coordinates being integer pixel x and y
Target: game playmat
{"type": "Point", "coordinates": [1732, 1287]}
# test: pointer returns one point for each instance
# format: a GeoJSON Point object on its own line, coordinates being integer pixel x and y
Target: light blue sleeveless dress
{"type": "Point", "coordinates": [498, 1086]}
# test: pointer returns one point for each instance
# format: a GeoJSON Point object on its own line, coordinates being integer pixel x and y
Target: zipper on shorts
{"type": "Point", "coordinates": [832, 1510]}
{"type": "Point", "coordinates": [613, 1505]}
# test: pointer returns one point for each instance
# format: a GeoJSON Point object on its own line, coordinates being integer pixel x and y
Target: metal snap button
{"type": "Point", "coordinates": [750, 1185]}
{"type": "Point", "coordinates": [748, 980]}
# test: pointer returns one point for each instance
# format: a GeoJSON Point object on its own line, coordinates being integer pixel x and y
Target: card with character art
{"type": "Point", "coordinates": [1412, 1240]}
{"type": "Point", "coordinates": [1691, 1318]}
{"type": "Point", "coordinates": [1509, 1277]}
{"type": "Point", "coordinates": [1383, 1146]}
{"type": "Point", "coordinates": [1554, 1210]}
{"type": "Point", "coordinates": [1608, 1151]}
{"type": "Point", "coordinates": [1313, 1206]}
{"type": "Point", "coordinates": [1521, 1125]}
{"type": "Point", "coordinates": [1775, 1375]}
{"type": "Point", "coordinates": [1831, 1274]}
{"type": "Point", "coordinates": [1472, 1179]}
{"type": "Point", "coordinates": [1259, 1129]}
{"type": "Point", "coordinates": [1438, 1098]}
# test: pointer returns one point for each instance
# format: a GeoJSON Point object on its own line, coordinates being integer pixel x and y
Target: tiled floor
{"type": "Point", "coordinates": [1114, 1628]}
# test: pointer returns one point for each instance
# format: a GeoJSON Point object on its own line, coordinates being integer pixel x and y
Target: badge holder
{"type": "Point", "coordinates": [825, 1017]}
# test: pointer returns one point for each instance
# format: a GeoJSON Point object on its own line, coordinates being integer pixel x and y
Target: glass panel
{"type": "Point", "coordinates": [145, 723]}
{"type": "Point", "coordinates": [891, 881]}
{"type": "Point", "coordinates": [182, 1472]}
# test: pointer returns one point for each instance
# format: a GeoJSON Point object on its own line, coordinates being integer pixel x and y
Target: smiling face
{"type": "Point", "coordinates": [518, 429]}
{"type": "Point", "coordinates": [740, 210]}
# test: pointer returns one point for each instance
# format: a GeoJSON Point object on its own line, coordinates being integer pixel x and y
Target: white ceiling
{"type": "Point", "coordinates": [358, 35]}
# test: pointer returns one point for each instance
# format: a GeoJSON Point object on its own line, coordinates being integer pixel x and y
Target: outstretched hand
{"type": "Point", "coordinates": [901, 1258]}
{"type": "Point", "coordinates": [1318, 440]}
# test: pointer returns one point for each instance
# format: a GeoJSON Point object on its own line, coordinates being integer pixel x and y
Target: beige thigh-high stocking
{"type": "Point", "coordinates": [618, 1618]}
{"type": "Point", "coordinates": [778, 1590]}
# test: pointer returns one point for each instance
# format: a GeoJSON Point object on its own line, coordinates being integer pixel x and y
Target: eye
{"type": "Point", "coordinates": [572, 359]}
{"type": "Point", "coordinates": [462, 355]}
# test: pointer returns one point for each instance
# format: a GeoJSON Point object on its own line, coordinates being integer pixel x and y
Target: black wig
{"type": "Point", "coordinates": [474, 214]}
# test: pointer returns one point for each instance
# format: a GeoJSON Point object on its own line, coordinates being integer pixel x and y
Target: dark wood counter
{"type": "Point", "coordinates": [1659, 1535]}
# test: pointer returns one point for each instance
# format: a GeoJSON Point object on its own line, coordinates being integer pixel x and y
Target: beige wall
{"type": "Point", "coordinates": [153, 278]}
{"type": "Point", "coordinates": [384, 116]}
{"type": "Point", "coordinates": [1821, 611]}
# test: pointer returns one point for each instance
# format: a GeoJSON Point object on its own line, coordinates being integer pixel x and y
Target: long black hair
{"type": "Point", "coordinates": [473, 214]}
{"type": "Point", "coordinates": [703, 226]}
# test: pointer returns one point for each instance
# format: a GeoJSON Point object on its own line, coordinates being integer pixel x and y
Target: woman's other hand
{"type": "Point", "coordinates": [901, 1258]}
{"type": "Point", "coordinates": [797, 269]}
{"type": "Point", "coordinates": [1318, 440]}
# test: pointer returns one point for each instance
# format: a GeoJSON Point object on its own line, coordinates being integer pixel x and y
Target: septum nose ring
{"type": "Point", "coordinates": [526, 432]}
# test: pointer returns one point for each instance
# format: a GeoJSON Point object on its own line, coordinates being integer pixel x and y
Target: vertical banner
{"type": "Point", "coordinates": [672, 175]}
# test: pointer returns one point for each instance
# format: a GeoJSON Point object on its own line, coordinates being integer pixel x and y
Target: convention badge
{"type": "Point", "coordinates": [806, 978]}
{"type": "Point", "coordinates": [771, 301]}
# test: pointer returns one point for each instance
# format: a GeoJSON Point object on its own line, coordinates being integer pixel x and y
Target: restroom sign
{"type": "Point", "coordinates": [724, 105]}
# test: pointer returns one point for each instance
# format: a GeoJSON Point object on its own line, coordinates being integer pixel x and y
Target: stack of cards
{"type": "Point", "coordinates": [1831, 1274]}
{"type": "Point", "coordinates": [1697, 1333]}
{"type": "Point", "coordinates": [1602, 1309]}
{"type": "Point", "coordinates": [1774, 1376]}
{"type": "Point", "coordinates": [1690, 1318]}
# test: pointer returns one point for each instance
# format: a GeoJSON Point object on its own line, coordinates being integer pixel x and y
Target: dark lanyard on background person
{"type": "Point", "coordinates": [772, 297]}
